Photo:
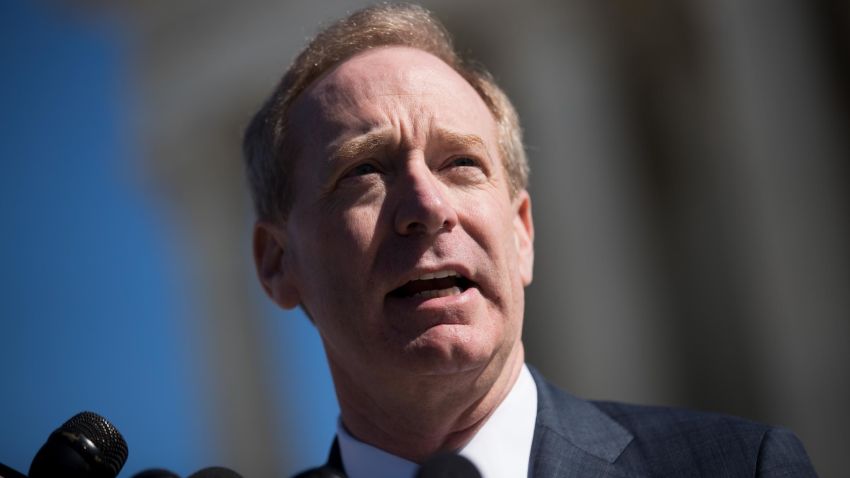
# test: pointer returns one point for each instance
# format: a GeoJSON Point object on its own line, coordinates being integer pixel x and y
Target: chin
{"type": "Point", "coordinates": [446, 350]}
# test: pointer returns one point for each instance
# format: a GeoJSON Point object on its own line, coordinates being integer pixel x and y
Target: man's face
{"type": "Point", "coordinates": [403, 242]}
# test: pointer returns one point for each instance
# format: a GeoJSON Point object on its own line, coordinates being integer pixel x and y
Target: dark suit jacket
{"type": "Point", "coordinates": [582, 439]}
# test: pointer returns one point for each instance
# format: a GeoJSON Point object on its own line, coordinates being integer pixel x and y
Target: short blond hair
{"type": "Point", "coordinates": [270, 151]}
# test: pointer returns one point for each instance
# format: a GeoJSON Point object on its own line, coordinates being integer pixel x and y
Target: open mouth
{"type": "Point", "coordinates": [438, 284]}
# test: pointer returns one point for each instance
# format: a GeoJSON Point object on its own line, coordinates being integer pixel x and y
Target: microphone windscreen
{"type": "Point", "coordinates": [321, 472]}
{"type": "Point", "coordinates": [156, 473]}
{"type": "Point", "coordinates": [105, 436]}
{"type": "Point", "coordinates": [448, 465]}
{"type": "Point", "coordinates": [85, 445]}
{"type": "Point", "coordinates": [215, 472]}
{"type": "Point", "coordinates": [6, 472]}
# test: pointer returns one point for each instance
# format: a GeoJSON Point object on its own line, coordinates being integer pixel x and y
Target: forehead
{"type": "Point", "coordinates": [404, 70]}
{"type": "Point", "coordinates": [388, 87]}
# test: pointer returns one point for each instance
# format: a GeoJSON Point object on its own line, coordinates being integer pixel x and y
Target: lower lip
{"type": "Point", "coordinates": [434, 304]}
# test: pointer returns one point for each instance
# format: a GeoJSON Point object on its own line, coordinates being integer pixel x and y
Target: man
{"type": "Point", "coordinates": [389, 179]}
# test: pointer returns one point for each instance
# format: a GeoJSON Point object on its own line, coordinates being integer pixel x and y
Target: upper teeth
{"type": "Point", "coordinates": [438, 275]}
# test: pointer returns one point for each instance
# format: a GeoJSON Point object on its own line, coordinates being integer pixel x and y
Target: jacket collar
{"type": "Point", "coordinates": [572, 437]}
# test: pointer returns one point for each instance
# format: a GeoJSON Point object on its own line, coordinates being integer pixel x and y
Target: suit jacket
{"type": "Point", "coordinates": [582, 439]}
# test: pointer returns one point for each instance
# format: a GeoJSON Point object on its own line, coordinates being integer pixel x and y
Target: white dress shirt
{"type": "Point", "coordinates": [500, 449]}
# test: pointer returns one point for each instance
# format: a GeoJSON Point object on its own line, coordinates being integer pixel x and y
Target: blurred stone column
{"type": "Point", "coordinates": [190, 65]}
{"type": "Point", "coordinates": [793, 166]}
{"type": "Point", "coordinates": [594, 312]}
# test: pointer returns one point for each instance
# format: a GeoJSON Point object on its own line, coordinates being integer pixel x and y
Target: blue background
{"type": "Point", "coordinates": [93, 293]}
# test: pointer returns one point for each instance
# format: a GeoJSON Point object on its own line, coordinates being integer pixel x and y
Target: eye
{"type": "Point", "coordinates": [463, 161]}
{"type": "Point", "coordinates": [362, 170]}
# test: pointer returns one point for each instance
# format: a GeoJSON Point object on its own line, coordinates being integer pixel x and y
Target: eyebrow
{"type": "Point", "coordinates": [371, 143]}
{"type": "Point", "coordinates": [460, 141]}
{"type": "Point", "coordinates": [362, 146]}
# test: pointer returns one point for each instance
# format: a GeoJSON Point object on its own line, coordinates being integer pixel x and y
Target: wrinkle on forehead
{"type": "Point", "coordinates": [408, 90]}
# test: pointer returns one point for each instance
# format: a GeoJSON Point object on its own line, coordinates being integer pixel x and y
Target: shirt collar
{"type": "Point", "coordinates": [500, 449]}
{"type": "Point", "coordinates": [362, 460]}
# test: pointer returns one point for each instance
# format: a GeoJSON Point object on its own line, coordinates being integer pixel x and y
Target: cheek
{"type": "Point", "coordinates": [348, 236]}
{"type": "Point", "coordinates": [335, 256]}
{"type": "Point", "coordinates": [490, 225]}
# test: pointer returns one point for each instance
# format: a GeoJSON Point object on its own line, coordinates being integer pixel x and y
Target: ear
{"type": "Point", "coordinates": [524, 235]}
{"type": "Point", "coordinates": [273, 269]}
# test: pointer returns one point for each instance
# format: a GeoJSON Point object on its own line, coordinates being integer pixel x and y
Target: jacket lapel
{"type": "Point", "coordinates": [573, 438]}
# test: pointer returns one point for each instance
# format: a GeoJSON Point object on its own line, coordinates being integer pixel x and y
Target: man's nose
{"type": "Point", "coordinates": [423, 206]}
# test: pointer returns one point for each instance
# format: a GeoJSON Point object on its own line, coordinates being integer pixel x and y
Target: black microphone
{"type": "Point", "coordinates": [86, 446]}
{"type": "Point", "coordinates": [6, 472]}
{"type": "Point", "coordinates": [321, 472]}
{"type": "Point", "coordinates": [215, 472]}
{"type": "Point", "coordinates": [448, 465]}
{"type": "Point", "coordinates": [210, 472]}
{"type": "Point", "coordinates": [156, 473]}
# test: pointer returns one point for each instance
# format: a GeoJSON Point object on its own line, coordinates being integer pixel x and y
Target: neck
{"type": "Point", "coordinates": [409, 420]}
